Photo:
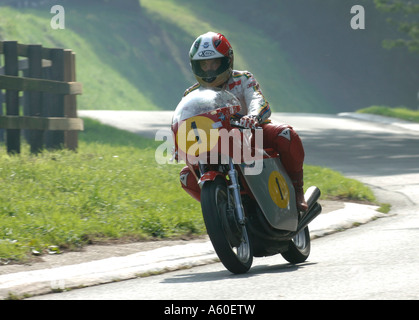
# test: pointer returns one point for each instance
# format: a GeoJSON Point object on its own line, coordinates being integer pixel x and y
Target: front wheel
{"type": "Point", "coordinates": [229, 238]}
{"type": "Point", "coordinates": [299, 247]}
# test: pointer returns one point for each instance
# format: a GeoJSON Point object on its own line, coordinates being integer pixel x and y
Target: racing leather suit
{"type": "Point", "coordinates": [282, 138]}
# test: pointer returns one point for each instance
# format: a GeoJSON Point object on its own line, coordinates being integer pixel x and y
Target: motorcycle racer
{"type": "Point", "coordinates": [211, 58]}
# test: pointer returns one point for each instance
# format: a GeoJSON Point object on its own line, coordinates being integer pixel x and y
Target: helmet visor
{"type": "Point", "coordinates": [210, 68]}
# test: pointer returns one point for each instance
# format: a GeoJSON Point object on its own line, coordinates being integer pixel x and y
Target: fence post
{"type": "Point", "coordinates": [55, 139]}
{"type": "Point", "coordinates": [1, 105]}
{"type": "Point", "coordinates": [12, 96]}
{"type": "Point", "coordinates": [70, 102]}
{"type": "Point", "coordinates": [1, 113]}
{"type": "Point", "coordinates": [35, 97]}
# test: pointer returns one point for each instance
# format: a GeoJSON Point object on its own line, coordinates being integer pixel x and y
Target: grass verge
{"type": "Point", "coordinates": [399, 112]}
{"type": "Point", "coordinates": [112, 189]}
{"type": "Point", "coordinates": [335, 186]}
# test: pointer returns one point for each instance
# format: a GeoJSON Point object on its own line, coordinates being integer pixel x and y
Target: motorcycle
{"type": "Point", "coordinates": [247, 199]}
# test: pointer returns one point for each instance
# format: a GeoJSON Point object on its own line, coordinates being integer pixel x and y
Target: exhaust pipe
{"type": "Point", "coordinates": [311, 196]}
{"type": "Point", "coordinates": [314, 208]}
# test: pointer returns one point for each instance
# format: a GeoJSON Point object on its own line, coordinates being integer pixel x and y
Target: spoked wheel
{"type": "Point", "coordinates": [299, 247]}
{"type": "Point", "coordinates": [229, 238]}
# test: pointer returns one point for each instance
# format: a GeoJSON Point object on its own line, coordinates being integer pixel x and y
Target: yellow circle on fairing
{"type": "Point", "coordinates": [278, 189]}
{"type": "Point", "coordinates": [197, 135]}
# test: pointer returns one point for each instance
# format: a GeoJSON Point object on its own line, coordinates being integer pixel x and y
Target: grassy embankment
{"type": "Point", "coordinates": [112, 189]}
{"type": "Point", "coordinates": [102, 58]}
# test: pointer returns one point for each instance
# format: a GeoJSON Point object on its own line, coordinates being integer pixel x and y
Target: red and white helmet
{"type": "Point", "coordinates": [210, 46]}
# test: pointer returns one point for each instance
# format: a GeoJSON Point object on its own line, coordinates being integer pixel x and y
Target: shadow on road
{"type": "Point", "coordinates": [225, 274]}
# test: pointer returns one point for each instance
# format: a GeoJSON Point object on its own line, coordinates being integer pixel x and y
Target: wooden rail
{"type": "Point", "coordinates": [28, 84]}
{"type": "Point", "coordinates": [49, 84]}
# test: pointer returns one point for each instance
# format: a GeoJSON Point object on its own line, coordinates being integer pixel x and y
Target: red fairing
{"type": "Point", "coordinates": [210, 176]}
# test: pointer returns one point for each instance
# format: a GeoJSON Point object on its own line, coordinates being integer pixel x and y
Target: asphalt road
{"type": "Point", "coordinates": [378, 260]}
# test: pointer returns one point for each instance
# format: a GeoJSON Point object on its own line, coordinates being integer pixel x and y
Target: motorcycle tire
{"type": "Point", "coordinates": [299, 247]}
{"type": "Point", "coordinates": [235, 251]}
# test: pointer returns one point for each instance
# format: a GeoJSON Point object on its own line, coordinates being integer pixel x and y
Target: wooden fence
{"type": "Point", "coordinates": [49, 113]}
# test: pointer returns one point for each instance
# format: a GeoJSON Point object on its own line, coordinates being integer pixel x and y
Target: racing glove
{"type": "Point", "coordinates": [249, 121]}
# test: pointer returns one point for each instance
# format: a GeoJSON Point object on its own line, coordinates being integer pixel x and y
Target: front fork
{"type": "Point", "coordinates": [235, 187]}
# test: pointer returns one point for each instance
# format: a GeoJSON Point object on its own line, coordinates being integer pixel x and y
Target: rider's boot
{"type": "Point", "coordinates": [301, 202]}
{"type": "Point", "coordinates": [298, 182]}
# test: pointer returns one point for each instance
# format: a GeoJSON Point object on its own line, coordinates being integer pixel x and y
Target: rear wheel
{"type": "Point", "coordinates": [229, 238]}
{"type": "Point", "coordinates": [299, 247]}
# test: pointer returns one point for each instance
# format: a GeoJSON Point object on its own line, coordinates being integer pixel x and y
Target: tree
{"type": "Point", "coordinates": [405, 16]}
